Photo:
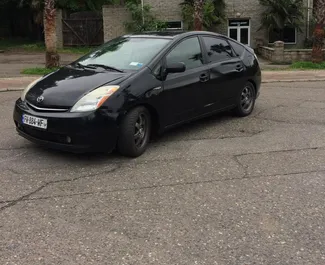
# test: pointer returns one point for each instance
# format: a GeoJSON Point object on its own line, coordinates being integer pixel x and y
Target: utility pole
{"type": "Point", "coordinates": [142, 7]}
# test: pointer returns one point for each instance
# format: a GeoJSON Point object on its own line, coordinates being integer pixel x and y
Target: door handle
{"type": "Point", "coordinates": [204, 77]}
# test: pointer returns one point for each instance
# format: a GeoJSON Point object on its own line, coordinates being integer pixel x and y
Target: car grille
{"type": "Point", "coordinates": [46, 109]}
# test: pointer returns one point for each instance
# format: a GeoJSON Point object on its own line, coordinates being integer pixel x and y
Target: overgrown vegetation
{"type": "Point", "coordinates": [213, 13]}
{"type": "Point", "coordinates": [279, 14]}
{"type": "Point", "coordinates": [142, 19]}
{"type": "Point", "coordinates": [319, 32]}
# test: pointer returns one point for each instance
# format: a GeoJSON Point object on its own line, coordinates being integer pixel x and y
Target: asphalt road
{"type": "Point", "coordinates": [220, 191]}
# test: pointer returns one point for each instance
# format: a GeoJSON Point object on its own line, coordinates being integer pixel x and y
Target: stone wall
{"type": "Point", "coordinates": [170, 10]}
{"type": "Point", "coordinates": [278, 54]}
{"type": "Point", "coordinates": [266, 52]}
{"type": "Point", "coordinates": [166, 10]}
{"type": "Point", "coordinates": [294, 55]}
{"type": "Point", "coordinates": [114, 18]}
{"type": "Point", "coordinates": [248, 9]}
{"type": "Point", "coordinates": [252, 9]}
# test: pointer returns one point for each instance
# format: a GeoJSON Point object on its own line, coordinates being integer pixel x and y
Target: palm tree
{"type": "Point", "coordinates": [279, 14]}
{"type": "Point", "coordinates": [319, 34]}
{"type": "Point", "coordinates": [199, 14]}
{"type": "Point", "coordinates": [52, 58]}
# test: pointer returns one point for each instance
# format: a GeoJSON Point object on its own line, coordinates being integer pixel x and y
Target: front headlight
{"type": "Point", "coordinates": [94, 99]}
{"type": "Point", "coordinates": [24, 93]}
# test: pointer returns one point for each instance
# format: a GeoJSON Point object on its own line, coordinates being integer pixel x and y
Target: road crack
{"type": "Point", "coordinates": [247, 177]}
{"type": "Point", "coordinates": [26, 197]}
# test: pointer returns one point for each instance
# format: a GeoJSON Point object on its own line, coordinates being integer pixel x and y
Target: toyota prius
{"type": "Point", "coordinates": [116, 96]}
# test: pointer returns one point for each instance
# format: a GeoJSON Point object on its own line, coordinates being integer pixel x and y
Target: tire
{"type": "Point", "coordinates": [246, 100]}
{"type": "Point", "coordinates": [135, 130]}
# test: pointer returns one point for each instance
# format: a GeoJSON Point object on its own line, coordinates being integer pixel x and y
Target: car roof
{"type": "Point", "coordinates": [169, 34]}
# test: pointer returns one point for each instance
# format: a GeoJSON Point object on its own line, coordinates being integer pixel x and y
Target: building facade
{"type": "Point", "coordinates": [243, 21]}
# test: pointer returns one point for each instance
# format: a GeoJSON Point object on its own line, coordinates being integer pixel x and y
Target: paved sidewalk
{"type": "Point", "coordinates": [293, 76]}
{"type": "Point", "coordinates": [17, 83]}
{"type": "Point", "coordinates": [11, 64]}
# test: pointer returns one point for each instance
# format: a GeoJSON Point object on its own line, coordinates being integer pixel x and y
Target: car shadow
{"type": "Point", "coordinates": [97, 158]}
{"type": "Point", "coordinates": [193, 127]}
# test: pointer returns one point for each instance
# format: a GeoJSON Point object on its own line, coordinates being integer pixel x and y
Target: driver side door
{"type": "Point", "coordinates": [182, 91]}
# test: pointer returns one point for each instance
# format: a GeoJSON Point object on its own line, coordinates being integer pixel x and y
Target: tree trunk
{"type": "Point", "coordinates": [198, 14]}
{"type": "Point", "coordinates": [317, 53]}
{"type": "Point", "coordinates": [319, 34]}
{"type": "Point", "coordinates": [52, 58]}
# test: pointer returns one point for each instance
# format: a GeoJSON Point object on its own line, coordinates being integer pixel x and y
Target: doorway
{"type": "Point", "coordinates": [239, 30]}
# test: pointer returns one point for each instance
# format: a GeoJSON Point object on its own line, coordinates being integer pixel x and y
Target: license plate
{"type": "Point", "coordinates": [34, 121]}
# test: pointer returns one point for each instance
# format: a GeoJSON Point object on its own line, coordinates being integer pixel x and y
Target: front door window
{"type": "Point", "coordinates": [188, 52]}
{"type": "Point", "coordinates": [239, 30]}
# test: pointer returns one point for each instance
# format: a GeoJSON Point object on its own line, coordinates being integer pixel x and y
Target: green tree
{"type": "Point", "coordinates": [279, 14]}
{"type": "Point", "coordinates": [142, 18]}
{"type": "Point", "coordinates": [319, 34]}
{"type": "Point", "coordinates": [211, 13]}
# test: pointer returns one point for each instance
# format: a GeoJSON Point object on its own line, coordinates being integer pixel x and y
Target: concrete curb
{"type": "Point", "coordinates": [11, 89]}
{"type": "Point", "coordinates": [293, 81]}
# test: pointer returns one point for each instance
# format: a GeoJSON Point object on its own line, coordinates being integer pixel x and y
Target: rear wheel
{"type": "Point", "coordinates": [246, 100]}
{"type": "Point", "coordinates": [134, 132]}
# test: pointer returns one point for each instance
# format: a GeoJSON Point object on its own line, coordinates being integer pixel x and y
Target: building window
{"type": "Point", "coordinates": [174, 24]}
{"type": "Point", "coordinates": [288, 35]}
{"type": "Point", "coordinates": [239, 30]}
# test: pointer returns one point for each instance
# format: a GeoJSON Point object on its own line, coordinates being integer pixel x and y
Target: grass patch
{"type": "Point", "coordinates": [308, 66]}
{"type": "Point", "coordinates": [38, 71]}
{"type": "Point", "coordinates": [30, 46]}
{"type": "Point", "coordinates": [76, 50]}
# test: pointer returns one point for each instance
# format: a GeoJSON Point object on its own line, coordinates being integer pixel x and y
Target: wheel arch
{"type": "Point", "coordinates": [254, 85]}
{"type": "Point", "coordinates": [154, 115]}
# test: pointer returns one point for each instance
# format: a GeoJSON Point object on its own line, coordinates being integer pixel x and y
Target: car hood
{"type": "Point", "coordinates": [63, 88]}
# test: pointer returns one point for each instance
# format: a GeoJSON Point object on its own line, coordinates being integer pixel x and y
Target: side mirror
{"type": "Point", "coordinates": [175, 68]}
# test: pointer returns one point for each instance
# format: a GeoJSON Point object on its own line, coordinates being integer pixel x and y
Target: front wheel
{"type": "Point", "coordinates": [246, 100]}
{"type": "Point", "coordinates": [134, 132]}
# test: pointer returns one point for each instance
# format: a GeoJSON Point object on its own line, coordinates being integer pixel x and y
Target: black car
{"type": "Point", "coordinates": [117, 95]}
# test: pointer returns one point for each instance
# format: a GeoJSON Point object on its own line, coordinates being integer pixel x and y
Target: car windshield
{"type": "Point", "coordinates": [124, 53]}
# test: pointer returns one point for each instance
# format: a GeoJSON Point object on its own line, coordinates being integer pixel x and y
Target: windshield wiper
{"type": "Point", "coordinates": [79, 65]}
{"type": "Point", "coordinates": [106, 67]}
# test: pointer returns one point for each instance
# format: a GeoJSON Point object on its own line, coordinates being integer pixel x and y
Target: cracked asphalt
{"type": "Point", "coordinates": [222, 191]}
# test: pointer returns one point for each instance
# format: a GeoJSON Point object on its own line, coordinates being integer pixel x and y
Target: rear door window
{"type": "Point", "coordinates": [218, 49]}
{"type": "Point", "coordinates": [238, 48]}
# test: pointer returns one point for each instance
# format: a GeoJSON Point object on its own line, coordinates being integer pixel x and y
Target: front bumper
{"type": "Point", "coordinates": [73, 132]}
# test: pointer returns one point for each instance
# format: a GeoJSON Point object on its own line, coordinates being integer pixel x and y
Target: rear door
{"type": "Point", "coordinates": [226, 72]}
{"type": "Point", "coordinates": [182, 93]}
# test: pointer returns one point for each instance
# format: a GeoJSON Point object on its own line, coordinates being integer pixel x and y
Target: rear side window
{"type": "Point", "coordinates": [217, 49]}
{"type": "Point", "coordinates": [239, 49]}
